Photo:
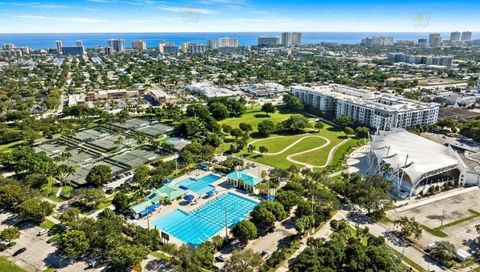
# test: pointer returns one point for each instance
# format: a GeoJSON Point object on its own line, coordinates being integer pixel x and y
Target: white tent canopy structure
{"type": "Point", "coordinates": [408, 159]}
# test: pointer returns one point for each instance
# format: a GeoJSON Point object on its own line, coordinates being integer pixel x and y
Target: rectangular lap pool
{"type": "Point", "coordinates": [203, 223]}
{"type": "Point", "coordinates": [200, 186]}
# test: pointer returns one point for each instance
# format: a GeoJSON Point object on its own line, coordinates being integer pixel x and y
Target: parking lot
{"type": "Point", "coordinates": [38, 254]}
{"type": "Point", "coordinates": [450, 209]}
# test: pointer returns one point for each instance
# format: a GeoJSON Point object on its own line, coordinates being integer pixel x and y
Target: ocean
{"type": "Point", "coordinates": [91, 40]}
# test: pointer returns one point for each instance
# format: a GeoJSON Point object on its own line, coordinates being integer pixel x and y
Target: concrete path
{"type": "Point", "coordinates": [329, 158]}
{"type": "Point", "coordinates": [291, 145]}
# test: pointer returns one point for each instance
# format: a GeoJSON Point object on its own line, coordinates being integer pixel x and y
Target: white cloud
{"type": "Point", "coordinates": [34, 17]}
{"type": "Point", "coordinates": [184, 10]}
{"type": "Point", "coordinates": [82, 20]}
{"type": "Point", "coordinates": [41, 5]}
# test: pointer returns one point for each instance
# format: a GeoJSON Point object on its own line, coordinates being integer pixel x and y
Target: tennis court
{"type": "Point", "coordinates": [135, 158]}
{"type": "Point", "coordinates": [203, 223]}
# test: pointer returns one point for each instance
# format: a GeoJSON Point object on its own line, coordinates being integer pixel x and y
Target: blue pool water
{"type": "Point", "coordinates": [203, 223]}
{"type": "Point", "coordinates": [200, 186]}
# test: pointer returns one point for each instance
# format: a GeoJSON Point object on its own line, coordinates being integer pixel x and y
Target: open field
{"type": "Point", "coordinates": [280, 160]}
{"type": "Point", "coordinates": [7, 266]}
{"type": "Point", "coordinates": [254, 116]}
{"type": "Point", "coordinates": [314, 149]}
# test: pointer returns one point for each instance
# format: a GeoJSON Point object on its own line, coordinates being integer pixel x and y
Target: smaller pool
{"type": "Point", "coordinates": [210, 178]}
{"type": "Point", "coordinates": [200, 186]}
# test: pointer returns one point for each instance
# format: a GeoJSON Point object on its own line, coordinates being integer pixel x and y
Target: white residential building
{"type": "Point", "coordinates": [383, 111]}
{"type": "Point", "coordinates": [228, 42]}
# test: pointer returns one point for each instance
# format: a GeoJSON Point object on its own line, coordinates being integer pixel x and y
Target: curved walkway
{"type": "Point", "coordinates": [291, 145]}
{"type": "Point", "coordinates": [329, 158]}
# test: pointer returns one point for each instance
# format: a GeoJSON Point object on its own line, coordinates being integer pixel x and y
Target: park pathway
{"type": "Point", "coordinates": [292, 144]}
{"type": "Point", "coordinates": [329, 158]}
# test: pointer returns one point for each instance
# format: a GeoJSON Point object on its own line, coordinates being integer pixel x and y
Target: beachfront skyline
{"type": "Point", "coordinates": [96, 16]}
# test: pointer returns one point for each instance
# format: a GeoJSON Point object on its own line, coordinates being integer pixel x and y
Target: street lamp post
{"type": "Point", "coordinates": [443, 217]}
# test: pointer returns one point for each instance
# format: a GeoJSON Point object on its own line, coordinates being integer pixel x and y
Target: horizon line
{"type": "Point", "coordinates": [266, 31]}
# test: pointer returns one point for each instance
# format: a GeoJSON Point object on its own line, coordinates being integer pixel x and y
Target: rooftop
{"type": "Point", "coordinates": [388, 102]}
{"type": "Point", "coordinates": [414, 154]}
{"type": "Point", "coordinates": [245, 176]}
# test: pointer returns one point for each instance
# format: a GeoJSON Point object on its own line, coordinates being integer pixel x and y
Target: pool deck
{"type": "Point", "coordinates": [181, 204]}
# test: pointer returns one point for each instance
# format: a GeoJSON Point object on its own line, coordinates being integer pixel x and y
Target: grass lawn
{"type": "Point", "coordinates": [277, 143]}
{"type": "Point", "coordinates": [7, 147]}
{"type": "Point", "coordinates": [281, 159]}
{"type": "Point", "coordinates": [319, 157]}
{"type": "Point", "coordinates": [254, 116]}
{"type": "Point", "coordinates": [47, 224]}
{"type": "Point", "coordinates": [7, 266]}
{"type": "Point", "coordinates": [343, 149]}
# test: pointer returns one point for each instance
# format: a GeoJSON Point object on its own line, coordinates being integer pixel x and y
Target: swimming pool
{"type": "Point", "coordinates": [206, 221]}
{"type": "Point", "coordinates": [200, 186]}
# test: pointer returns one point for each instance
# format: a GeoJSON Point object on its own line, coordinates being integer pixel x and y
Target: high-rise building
{"type": "Point", "coordinates": [195, 48]}
{"type": "Point", "coordinates": [291, 39]}
{"type": "Point", "coordinates": [59, 45]}
{"type": "Point", "coordinates": [268, 41]}
{"type": "Point", "coordinates": [8, 46]}
{"type": "Point", "coordinates": [466, 36]}
{"type": "Point", "coordinates": [161, 47]}
{"type": "Point", "coordinates": [377, 41]}
{"type": "Point", "coordinates": [228, 42]}
{"type": "Point", "coordinates": [73, 50]}
{"type": "Point", "coordinates": [139, 45]}
{"type": "Point", "coordinates": [109, 51]}
{"type": "Point", "coordinates": [170, 49]}
{"type": "Point", "coordinates": [422, 42]}
{"type": "Point", "coordinates": [117, 44]}
{"type": "Point", "coordinates": [212, 44]}
{"type": "Point", "coordinates": [79, 43]}
{"type": "Point", "coordinates": [455, 36]}
{"type": "Point", "coordinates": [435, 39]}
{"type": "Point", "coordinates": [383, 111]}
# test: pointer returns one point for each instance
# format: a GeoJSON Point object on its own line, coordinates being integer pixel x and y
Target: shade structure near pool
{"type": "Point", "coordinates": [203, 223]}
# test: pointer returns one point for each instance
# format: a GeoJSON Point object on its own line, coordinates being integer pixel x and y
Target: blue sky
{"type": "Point", "coordinates": [237, 16]}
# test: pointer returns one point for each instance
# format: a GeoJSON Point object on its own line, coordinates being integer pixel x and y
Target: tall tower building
{"type": "Point", "coordinates": [8, 46]}
{"type": "Point", "coordinates": [109, 51]}
{"type": "Point", "coordinates": [435, 39]}
{"type": "Point", "coordinates": [79, 43]}
{"type": "Point", "coordinates": [290, 39]}
{"type": "Point", "coordinates": [228, 42]}
{"type": "Point", "coordinates": [117, 44]}
{"type": "Point", "coordinates": [59, 45]}
{"type": "Point", "coordinates": [212, 44]}
{"type": "Point", "coordinates": [466, 36]}
{"type": "Point", "coordinates": [268, 41]}
{"type": "Point", "coordinates": [139, 45]}
{"type": "Point", "coordinates": [455, 36]}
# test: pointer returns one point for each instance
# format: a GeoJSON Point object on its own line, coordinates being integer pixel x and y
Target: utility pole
{"type": "Point", "coordinates": [313, 216]}
{"type": "Point", "coordinates": [443, 217]}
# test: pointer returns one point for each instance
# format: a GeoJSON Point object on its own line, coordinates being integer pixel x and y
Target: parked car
{"type": "Point", "coordinates": [221, 258]}
{"type": "Point", "coordinates": [19, 251]}
{"type": "Point", "coordinates": [42, 232]}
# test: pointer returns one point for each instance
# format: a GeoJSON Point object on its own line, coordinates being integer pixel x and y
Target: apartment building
{"type": "Point", "coordinates": [382, 111]}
